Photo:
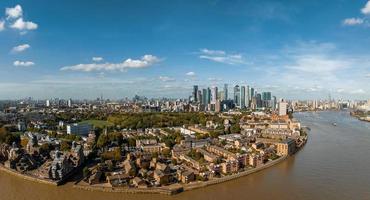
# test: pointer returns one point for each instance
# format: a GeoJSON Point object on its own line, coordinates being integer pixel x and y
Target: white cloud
{"type": "Point", "coordinates": [166, 79]}
{"type": "Point", "coordinates": [20, 48]}
{"type": "Point", "coordinates": [190, 74]}
{"type": "Point", "coordinates": [14, 13]}
{"type": "Point", "coordinates": [352, 21]}
{"type": "Point", "coordinates": [212, 52]}
{"type": "Point", "coordinates": [97, 59]}
{"type": "Point", "coordinates": [221, 57]}
{"type": "Point", "coordinates": [214, 79]}
{"type": "Point", "coordinates": [318, 64]}
{"type": "Point", "coordinates": [145, 61]}
{"type": "Point", "coordinates": [366, 10]}
{"type": "Point", "coordinates": [358, 91]}
{"type": "Point", "coordinates": [23, 63]}
{"type": "Point", "coordinates": [367, 75]}
{"type": "Point", "coordinates": [24, 25]}
{"type": "Point", "coordinates": [2, 25]}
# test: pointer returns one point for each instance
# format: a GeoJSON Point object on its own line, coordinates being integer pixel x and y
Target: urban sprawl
{"type": "Point", "coordinates": [150, 144]}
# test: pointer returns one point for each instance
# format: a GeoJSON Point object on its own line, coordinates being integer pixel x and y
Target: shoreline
{"type": "Point", "coordinates": [167, 190]}
{"type": "Point", "coordinates": [182, 188]}
{"type": "Point", "coordinates": [28, 177]}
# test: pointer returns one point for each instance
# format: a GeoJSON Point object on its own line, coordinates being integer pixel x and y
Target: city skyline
{"type": "Point", "coordinates": [120, 49]}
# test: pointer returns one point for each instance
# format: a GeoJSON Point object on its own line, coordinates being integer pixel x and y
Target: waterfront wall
{"type": "Point", "coordinates": [187, 187]}
{"type": "Point", "coordinates": [130, 190]}
{"type": "Point", "coordinates": [233, 176]}
{"type": "Point", "coordinates": [27, 177]}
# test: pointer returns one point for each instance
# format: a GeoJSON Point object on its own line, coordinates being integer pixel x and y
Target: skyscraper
{"type": "Point", "coordinates": [69, 102]}
{"type": "Point", "coordinates": [237, 96]}
{"type": "Point", "coordinates": [248, 98]}
{"type": "Point", "coordinates": [226, 92]}
{"type": "Point", "coordinates": [204, 97]}
{"type": "Point", "coordinates": [266, 96]}
{"type": "Point", "coordinates": [214, 95]}
{"type": "Point", "coordinates": [266, 99]}
{"type": "Point", "coordinates": [242, 97]}
{"type": "Point", "coordinates": [199, 96]}
{"type": "Point", "coordinates": [195, 93]}
{"type": "Point", "coordinates": [208, 95]}
{"type": "Point", "coordinates": [259, 100]}
{"type": "Point", "coordinates": [252, 93]}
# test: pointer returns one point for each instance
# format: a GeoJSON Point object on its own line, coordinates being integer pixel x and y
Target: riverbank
{"type": "Point", "coordinates": [177, 188]}
{"type": "Point", "coordinates": [360, 116]}
{"type": "Point", "coordinates": [28, 177]}
{"type": "Point", "coordinates": [167, 190]}
{"type": "Point", "coordinates": [171, 190]}
{"type": "Point", "coordinates": [196, 185]}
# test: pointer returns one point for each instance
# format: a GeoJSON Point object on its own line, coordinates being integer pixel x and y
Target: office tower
{"type": "Point", "coordinates": [221, 95]}
{"type": "Point", "coordinates": [248, 98]}
{"type": "Point", "coordinates": [266, 96]}
{"type": "Point", "coordinates": [204, 97]}
{"type": "Point", "coordinates": [195, 93]}
{"type": "Point", "coordinates": [254, 103]}
{"type": "Point", "coordinates": [226, 92]}
{"type": "Point", "coordinates": [242, 97]}
{"type": "Point", "coordinates": [199, 96]}
{"type": "Point", "coordinates": [218, 106]}
{"type": "Point", "coordinates": [266, 99]}
{"type": "Point", "coordinates": [237, 96]}
{"type": "Point", "coordinates": [208, 95]}
{"type": "Point", "coordinates": [274, 103]}
{"type": "Point", "coordinates": [282, 108]}
{"type": "Point", "coordinates": [47, 103]}
{"type": "Point", "coordinates": [259, 100]}
{"type": "Point", "coordinates": [252, 93]}
{"type": "Point", "coordinates": [69, 102]}
{"type": "Point", "coordinates": [214, 95]}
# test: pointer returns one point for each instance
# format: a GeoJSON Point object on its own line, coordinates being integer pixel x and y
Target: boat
{"type": "Point", "coordinates": [334, 124]}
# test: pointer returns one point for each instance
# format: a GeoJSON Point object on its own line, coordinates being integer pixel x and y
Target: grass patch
{"type": "Point", "coordinates": [97, 123]}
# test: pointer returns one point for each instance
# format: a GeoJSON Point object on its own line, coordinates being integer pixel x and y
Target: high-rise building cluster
{"type": "Point", "coordinates": [244, 97]}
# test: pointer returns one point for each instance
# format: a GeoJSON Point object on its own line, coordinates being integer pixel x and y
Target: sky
{"type": "Point", "coordinates": [82, 49]}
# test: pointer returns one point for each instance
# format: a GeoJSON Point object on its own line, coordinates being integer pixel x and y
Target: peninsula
{"type": "Point", "coordinates": [146, 146]}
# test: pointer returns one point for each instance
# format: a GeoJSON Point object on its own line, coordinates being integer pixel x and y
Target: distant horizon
{"type": "Point", "coordinates": [73, 49]}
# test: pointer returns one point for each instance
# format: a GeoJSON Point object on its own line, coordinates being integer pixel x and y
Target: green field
{"type": "Point", "coordinates": [97, 123]}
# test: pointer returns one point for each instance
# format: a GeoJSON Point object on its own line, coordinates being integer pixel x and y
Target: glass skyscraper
{"type": "Point", "coordinates": [242, 97]}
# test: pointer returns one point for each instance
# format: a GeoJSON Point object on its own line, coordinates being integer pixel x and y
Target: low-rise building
{"type": "Point", "coordinates": [79, 129]}
{"type": "Point", "coordinates": [286, 147]}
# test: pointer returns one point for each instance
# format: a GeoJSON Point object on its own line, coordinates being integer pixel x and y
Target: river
{"type": "Point", "coordinates": [334, 164]}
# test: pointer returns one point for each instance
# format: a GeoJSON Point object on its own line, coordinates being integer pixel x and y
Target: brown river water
{"type": "Point", "coordinates": [334, 164]}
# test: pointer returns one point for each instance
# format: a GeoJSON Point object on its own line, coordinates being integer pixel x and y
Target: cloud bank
{"type": "Point", "coordinates": [221, 57]}
{"type": "Point", "coordinates": [144, 61]}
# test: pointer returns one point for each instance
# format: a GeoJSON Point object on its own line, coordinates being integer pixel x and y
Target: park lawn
{"type": "Point", "coordinates": [97, 123]}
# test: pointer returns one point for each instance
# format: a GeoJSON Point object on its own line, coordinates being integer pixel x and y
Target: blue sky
{"type": "Point", "coordinates": [297, 49]}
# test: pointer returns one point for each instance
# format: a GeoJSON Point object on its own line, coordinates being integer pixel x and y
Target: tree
{"type": "Point", "coordinates": [85, 172]}
{"type": "Point", "coordinates": [10, 138]}
{"type": "Point", "coordinates": [65, 146]}
{"type": "Point", "coordinates": [235, 128]}
{"type": "Point", "coordinates": [131, 142]}
{"type": "Point", "coordinates": [102, 141]}
{"type": "Point", "coordinates": [46, 148]}
{"type": "Point", "coordinates": [214, 134]}
{"type": "Point", "coordinates": [166, 152]}
{"type": "Point", "coordinates": [117, 154]}
{"type": "Point", "coordinates": [24, 142]}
